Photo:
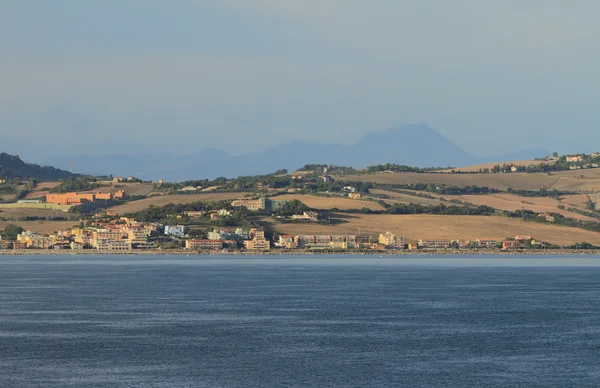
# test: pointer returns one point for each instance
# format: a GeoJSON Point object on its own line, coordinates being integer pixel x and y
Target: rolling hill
{"type": "Point", "coordinates": [11, 166]}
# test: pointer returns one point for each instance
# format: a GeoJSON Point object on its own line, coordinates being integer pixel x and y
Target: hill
{"type": "Point", "coordinates": [416, 145]}
{"type": "Point", "coordinates": [425, 226]}
{"type": "Point", "coordinates": [11, 166]}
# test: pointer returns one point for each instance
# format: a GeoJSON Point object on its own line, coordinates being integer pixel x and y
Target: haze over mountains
{"type": "Point", "coordinates": [415, 145]}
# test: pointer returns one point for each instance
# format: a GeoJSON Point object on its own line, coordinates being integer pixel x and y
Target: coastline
{"type": "Point", "coordinates": [529, 252]}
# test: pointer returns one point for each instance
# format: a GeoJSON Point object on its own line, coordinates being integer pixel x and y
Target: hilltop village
{"type": "Point", "coordinates": [533, 205]}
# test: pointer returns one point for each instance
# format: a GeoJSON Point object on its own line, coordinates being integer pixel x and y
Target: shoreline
{"type": "Point", "coordinates": [529, 252]}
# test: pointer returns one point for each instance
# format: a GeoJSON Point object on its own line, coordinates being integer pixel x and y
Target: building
{"type": "Point", "coordinates": [76, 199]}
{"type": "Point", "coordinates": [257, 241]}
{"type": "Point", "coordinates": [510, 245]}
{"type": "Point", "coordinates": [257, 244]}
{"type": "Point", "coordinates": [203, 244]}
{"type": "Point", "coordinates": [256, 233]}
{"type": "Point", "coordinates": [261, 204]}
{"type": "Point", "coordinates": [251, 204]}
{"type": "Point", "coordinates": [70, 198]}
{"type": "Point", "coordinates": [391, 241]}
{"type": "Point", "coordinates": [108, 234]}
{"type": "Point", "coordinates": [120, 194]}
{"type": "Point", "coordinates": [522, 238]}
{"type": "Point", "coordinates": [486, 243]}
{"type": "Point", "coordinates": [434, 244]}
{"type": "Point", "coordinates": [574, 158]}
{"type": "Point", "coordinates": [355, 195]}
{"type": "Point", "coordinates": [514, 169]}
{"type": "Point", "coordinates": [287, 242]}
{"type": "Point", "coordinates": [327, 179]}
{"type": "Point", "coordinates": [108, 244]}
{"type": "Point", "coordinates": [195, 214]}
{"type": "Point", "coordinates": [309, 215]}
{"type": "Point", "coordinates": [175, 230]}
{"type": "Point", "coordinates": [18, 245]}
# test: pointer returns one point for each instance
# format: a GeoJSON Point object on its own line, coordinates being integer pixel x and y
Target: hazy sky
{"type": "Point", "coordinates": [182, 75]}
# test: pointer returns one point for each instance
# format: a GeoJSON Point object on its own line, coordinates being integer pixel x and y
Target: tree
{"type": "Point", "coordinates": [555, 154]}
{"type": "Point", "coordinates": [11, 231]}
{"type": "Point", "coordinates": [590, 205]}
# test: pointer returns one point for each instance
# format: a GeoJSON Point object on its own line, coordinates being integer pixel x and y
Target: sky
{"type": "Point", "coordinates": [138, 76]}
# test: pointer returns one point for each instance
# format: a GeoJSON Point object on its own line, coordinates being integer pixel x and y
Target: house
{"type": "Point", "coordinates": [355, 195]}
{"type": "Point", "coordinates": [574, 158]}
{"type": "Point", "coordinates": [327, 179]}
{"type": "Point", "coordinates": [514, 169]}
{"type": "Point", "coordinates": [5, 244]}
{"type": "Point", "coordinates": [547, 216]}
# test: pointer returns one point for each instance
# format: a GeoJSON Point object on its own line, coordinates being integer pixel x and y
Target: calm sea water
{"type": "Point", "coordinates": [299, 322]}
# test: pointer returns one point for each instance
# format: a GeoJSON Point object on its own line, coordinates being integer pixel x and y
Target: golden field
{"type": "Point", "coordinates": [478, 167]}
{"type": "Point", "coordinates": [576, 181]}
{"type": "Point", "coordinates": [406, 198]}
{"type": "Point", "coordinates": [520, 181]}
{"type": "Point", "coordinates": [319, 202]}
{"type": "Point", "coordinates": [42, 227]}
{"type": "Point", "coordinates": [415, 227]}
{"type": "Point", "coordinates": [162, 200]}
{"type": "Point", "coordinates": [17, 212]}
{"type": "Point", "coordinates": [512, 202]}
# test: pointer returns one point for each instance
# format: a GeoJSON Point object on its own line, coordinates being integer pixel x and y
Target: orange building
{"type": "Point", "coordinates": [70, 198]}
{"type": "Point", "coordinates": [79, 198]}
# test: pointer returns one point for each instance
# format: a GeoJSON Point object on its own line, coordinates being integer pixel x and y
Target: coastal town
{"type": "Point", "coordinates": [110, 233]}
{"type": "Point", "coordinates": [511, 207]}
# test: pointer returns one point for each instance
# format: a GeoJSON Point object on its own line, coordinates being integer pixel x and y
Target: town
{"type": "Point", "coordinates": [110, 233]}
{"type": "Point", "coordinates": [532, 205]}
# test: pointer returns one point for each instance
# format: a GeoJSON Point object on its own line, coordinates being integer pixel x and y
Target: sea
{"type": "Point", "coordinates": [299, 321]}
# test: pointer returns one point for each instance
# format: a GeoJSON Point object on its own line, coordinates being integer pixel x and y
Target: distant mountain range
{"type": "Point", "coordinates": [11, 166]}
{"type": "Point", "coordinates": [414, 145]}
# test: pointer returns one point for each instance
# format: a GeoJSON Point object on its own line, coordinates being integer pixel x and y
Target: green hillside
{"type": "Point", "coordinates": [11, 166]}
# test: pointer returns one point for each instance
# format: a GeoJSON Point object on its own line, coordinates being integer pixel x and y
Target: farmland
{"type": "Point", "coordinates": [322, 202]}
{"type": "Point", "coordinates": [41, 227]}
{"type": "Point", "coordinates": [162, 200]}
{"type": "Point", "coordinates": [14, 213]}
{"type": "Point", "coordinates": [415, 227]}
{"type": "Point", "coordinates": [478, 167]}
{"type": "Point", "coordinates": [512, 202]}
{"type": "Point", "coordinates": [519, 181]}
{"type": "Point", "coordinates": [406, 198]}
